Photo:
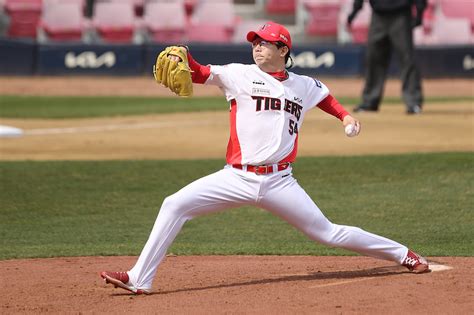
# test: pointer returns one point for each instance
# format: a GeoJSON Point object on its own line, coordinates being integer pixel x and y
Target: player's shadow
{"type": "Point", "coordinates": [332, 275]}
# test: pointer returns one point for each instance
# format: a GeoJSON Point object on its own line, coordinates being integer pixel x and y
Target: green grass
{"type": "Point", "coordinates": [102, 106]}
{"type": "Point", "coordinates": [12, 106]}
{"type": "Point", "coordinates": [68, 208]}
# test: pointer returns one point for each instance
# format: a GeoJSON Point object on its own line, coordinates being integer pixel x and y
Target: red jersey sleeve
{"type": "Point", "coordinates": [331, 106]}
{"type": "Point", "coordinates": [200, 73]}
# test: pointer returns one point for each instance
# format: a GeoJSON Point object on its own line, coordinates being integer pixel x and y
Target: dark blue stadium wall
{"type": "Point", "coordinates": [309, 60]}
{"type": "Point", "coordinates": [17, 57]}
{"type": "Point", "coordinates": [29, 58]}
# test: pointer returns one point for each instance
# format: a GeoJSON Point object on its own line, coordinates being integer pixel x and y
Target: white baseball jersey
{"type": "Point", "coordinates": [266, 114]}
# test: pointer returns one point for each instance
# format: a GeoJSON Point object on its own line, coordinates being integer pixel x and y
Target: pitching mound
{"type": "Point", "coordinates": [241, 284]}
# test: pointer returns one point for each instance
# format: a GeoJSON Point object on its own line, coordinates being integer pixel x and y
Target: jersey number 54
{"type": "Point", "coordinates": [293, 127]}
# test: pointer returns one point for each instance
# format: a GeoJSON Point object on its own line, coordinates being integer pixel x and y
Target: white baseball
{"type": "Point", "coordinates": [350, 130]}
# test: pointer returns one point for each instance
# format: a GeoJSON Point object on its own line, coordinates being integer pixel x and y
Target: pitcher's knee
{"type": "Point", "coordinates": [332, 235]}
{"type": "Point", "coordinates": [173, 205]}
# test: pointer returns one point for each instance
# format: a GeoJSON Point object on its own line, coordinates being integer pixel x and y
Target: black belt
{"type": "Point", "coordinates": [262, 169]}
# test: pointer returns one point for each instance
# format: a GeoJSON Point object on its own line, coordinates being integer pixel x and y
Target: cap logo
{"type": "Point", "coordinates": [283, 37]}
{"type": "Point", "coordinates": [265, 26]}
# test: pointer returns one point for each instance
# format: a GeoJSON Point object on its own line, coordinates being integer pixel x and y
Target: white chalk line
{"type": "Point", "coordinates": [112, 127]}
{"type": "Point", "coordinates": [433, 267]}
{"type": "Point", "coordinates": [438, 267]}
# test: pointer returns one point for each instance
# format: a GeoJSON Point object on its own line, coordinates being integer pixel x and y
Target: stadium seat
{"type": "Point", "coordinates": [452, 31]}
{"type": "Point", "coordinates": [49, 2]}
{"type": "Point", "coordinates": [207, 33]}
{"type": "Point", "coordinates": [24, 17]}
{"type": "Point", "coordinates": [165, 21]}
{"type": "Point", "coordinates": [453, 28]}
{"type": "Point", "coordinates": [212, 21]}
{"type": "Point", "coordinates": [114, 22]}
{"type": "Point", "coordinates": [242, 28]}
{"type": "Point", "coordinates": [280, 6]}
{"type": "Point", "coordinates": [63, 21]}
{"type": "Point", "coordinates": [458, 9]}
{"type": "Point", "coordinates": [323, 17]}
{"type": "Point", "coordinates": [138, 5]}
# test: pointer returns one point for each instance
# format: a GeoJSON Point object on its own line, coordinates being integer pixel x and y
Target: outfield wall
{"type": "Point", "coordinates": [22, 57]}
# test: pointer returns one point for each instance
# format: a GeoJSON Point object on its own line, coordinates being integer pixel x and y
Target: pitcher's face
{"type": "Point", "coordinates": [268, 54]}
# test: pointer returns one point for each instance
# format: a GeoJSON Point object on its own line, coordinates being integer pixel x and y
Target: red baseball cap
{"type": "Point", "coordinates": [272, 32]}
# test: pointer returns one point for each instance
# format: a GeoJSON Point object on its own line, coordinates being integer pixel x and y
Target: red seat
{"type": "Point", "coordinates": [280, 6]}
{"type": "Point", "coordinates": [242, 28]}
{"type": "Point", "coordinates": [82, 3]}
{"type": "Point", "coordinates": [458, 9]}
{"type": "Point", "coordinates": [208, 33]}
{"type": "Point", "coordinates": [63, 21]}
{"type": "Point", "coordinates": [452, 31]}
{"type": "Point", "coordinates": [138, 5]}
{"type": "Point", "coordinates": [114, 21]}
{"type": "Point", "coordinates": [24, 17]}
{"type": "Point", "coordinates": [323, 17]}
{"type": "Point", "coordinates": [165, 21]}
{"type": "Point", "coordinates": [212, 21]}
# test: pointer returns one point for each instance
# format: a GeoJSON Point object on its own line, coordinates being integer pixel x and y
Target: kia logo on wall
{"type": "Point", "coordinates": [468, 63]}
{"type": "Point", "coordinates": [308, 59]}
{"type": "Point", "coordinates": [89, 59]}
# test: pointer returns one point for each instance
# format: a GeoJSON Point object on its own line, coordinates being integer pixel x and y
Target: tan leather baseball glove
{"type": "Point", "coordinates": [174, 73]}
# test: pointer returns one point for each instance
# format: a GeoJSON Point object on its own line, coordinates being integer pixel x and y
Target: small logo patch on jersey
{"type": "Point", "coordinates": [318, 83]}
{"type": "Point", "coordinates": [297, 99]}
{"type": "Point", "coordinates": [260, 91]}
{"type": "Point", "coordinates": [258, 82]}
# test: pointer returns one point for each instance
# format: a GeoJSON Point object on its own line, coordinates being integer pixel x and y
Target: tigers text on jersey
{"type": "Point", "coordinates": [265, 113]}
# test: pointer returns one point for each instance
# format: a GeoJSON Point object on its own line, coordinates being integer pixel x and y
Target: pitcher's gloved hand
{"type": "Point", "coordinates": [172, 70]}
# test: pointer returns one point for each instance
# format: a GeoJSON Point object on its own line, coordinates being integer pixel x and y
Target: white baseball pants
{"type": "Point", "coordinates": [278, 193]}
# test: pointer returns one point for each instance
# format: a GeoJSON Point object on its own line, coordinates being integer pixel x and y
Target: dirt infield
{"type": "Point", "coordinates": [146, 86]}
{"type": "Point", "coordinates": [240, 285]}
{"type": "Point", "coordinates": [442, 127]}
{"type": "Point", "coordinates": [235, 284]}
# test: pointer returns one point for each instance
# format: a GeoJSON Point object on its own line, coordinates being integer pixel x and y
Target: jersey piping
{"type": "Point", "coordinates": [234, 153]}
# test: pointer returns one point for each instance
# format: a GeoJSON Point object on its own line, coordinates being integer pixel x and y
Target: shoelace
{"type": "Point", "coordinates": [411, 261]}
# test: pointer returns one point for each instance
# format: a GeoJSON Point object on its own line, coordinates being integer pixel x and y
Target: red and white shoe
{"type": "Point", "coordinates": [120, 279]}
{"type": "Point", "coordinates": [415, 263]}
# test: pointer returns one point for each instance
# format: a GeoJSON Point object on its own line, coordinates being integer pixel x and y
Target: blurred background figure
{"type": "Point", "coordinates": [391, 30]}
{"type": "Point", "coordinates": [4, 22]}
{"type": "Point", "coordinates": [89, 8]}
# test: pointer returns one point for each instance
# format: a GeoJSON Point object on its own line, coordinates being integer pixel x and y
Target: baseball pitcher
{"type": "Point", "coordinates": [268, 105]}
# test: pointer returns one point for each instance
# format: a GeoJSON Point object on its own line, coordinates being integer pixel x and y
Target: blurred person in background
{"type": "Point", "coordinates": [4, 22]}
{"type": "Point", "coordinates": [391, 30]}
{"type": "Point", "coordinates": [89, 8]}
